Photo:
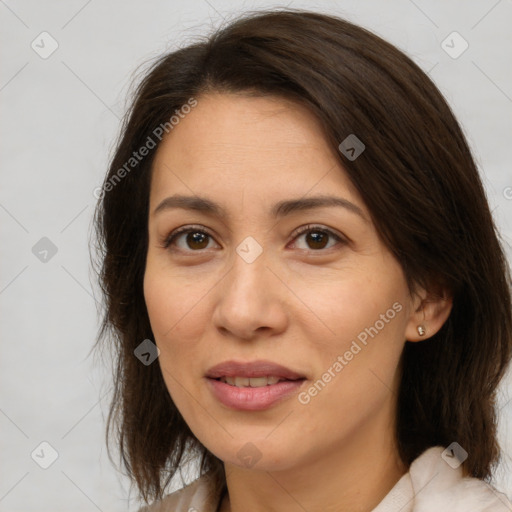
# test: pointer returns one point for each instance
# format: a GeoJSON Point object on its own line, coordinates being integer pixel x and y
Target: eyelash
{"type": "Point", "coordinates": [296, 234]}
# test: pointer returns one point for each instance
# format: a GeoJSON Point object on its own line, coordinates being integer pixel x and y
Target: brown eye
{"type": "Point", "coordinates": [197, 240]}
{"type": "Point", "coordinates": [316, 238]}
{"type": "Point", "coordinates": [189, 239]}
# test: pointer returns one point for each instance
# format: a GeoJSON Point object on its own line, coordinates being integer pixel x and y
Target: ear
{"type": "Point", "coordinates": [431, 310]}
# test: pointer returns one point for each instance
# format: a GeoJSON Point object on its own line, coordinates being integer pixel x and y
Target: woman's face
{"type": "Point", "coordinates": [270, 275]}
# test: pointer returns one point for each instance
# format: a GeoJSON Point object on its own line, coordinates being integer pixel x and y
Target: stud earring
{"type": "Point", "coordinates": [421, 330]}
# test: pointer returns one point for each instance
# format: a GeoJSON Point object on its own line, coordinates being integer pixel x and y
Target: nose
{"type": "Point", "coordinates": [250, 301]}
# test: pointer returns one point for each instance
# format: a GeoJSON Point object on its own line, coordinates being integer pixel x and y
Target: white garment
{"type": "Point", "coordinates": [431, 485]}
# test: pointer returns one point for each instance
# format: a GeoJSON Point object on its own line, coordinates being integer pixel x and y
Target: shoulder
{"type": "Point", "coordinates": [199, 496]}
{"type": "Point", "coordinates": [437, 483]}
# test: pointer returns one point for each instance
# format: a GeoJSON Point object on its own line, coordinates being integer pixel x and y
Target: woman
{"type": "Point", "coordinates": [303, 278]}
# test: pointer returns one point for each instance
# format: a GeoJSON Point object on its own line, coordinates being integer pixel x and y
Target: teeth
{"type": "Point", "coordinates": [258, 382]}
{"type": "Point", "coordinates": [253, 382]}
{"type": "Point", "coordinates": [241, 382]}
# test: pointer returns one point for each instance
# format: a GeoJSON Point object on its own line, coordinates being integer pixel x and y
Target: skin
{"type": "Point", "coordinates": [298, 304]}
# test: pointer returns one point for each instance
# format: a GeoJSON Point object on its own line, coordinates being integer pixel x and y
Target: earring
{"type": "Point", "coordinates": [421, 330]}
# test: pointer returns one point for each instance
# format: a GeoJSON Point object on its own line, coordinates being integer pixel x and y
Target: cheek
{"type": "Point", "coordinates": [362, 320]}
{"type": "Point", "coordinates": [342, 306]}
{"type": "Point", "coordinates": [178, 318]}
{"type": "Point", "coordinates": [172, 305]}
{"type": "Point", "coordinates": [357, 367]}
{"type": "Point", "coordinates": [169, 313]}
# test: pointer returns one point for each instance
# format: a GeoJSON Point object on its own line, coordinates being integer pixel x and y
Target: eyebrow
{"type": "Point", "coordinates": [280, 209]}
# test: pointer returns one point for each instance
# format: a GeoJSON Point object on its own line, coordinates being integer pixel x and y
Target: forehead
{"type": "Point", "coordinates": [267, 145]}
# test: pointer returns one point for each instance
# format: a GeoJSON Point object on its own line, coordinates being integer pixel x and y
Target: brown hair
{"type": "Point", "coordinates": [419, 182]}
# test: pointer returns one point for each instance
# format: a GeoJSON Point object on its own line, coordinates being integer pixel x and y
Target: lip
{"type": "Point", "coordinates": [252, 399]}
{"type": "Point", "coordinates": [258, 368]}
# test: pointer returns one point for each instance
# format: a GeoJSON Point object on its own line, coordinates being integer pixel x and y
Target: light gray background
{"type": "Point", "coordinates": [60, 117]}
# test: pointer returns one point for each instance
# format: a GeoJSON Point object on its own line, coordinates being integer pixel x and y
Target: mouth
{"type": "Point", "coordinates": [252, 369]}
{"type": "Point", "coordinates": [252, 386]}
{"type": "Point", "coordinates": [252, 382]}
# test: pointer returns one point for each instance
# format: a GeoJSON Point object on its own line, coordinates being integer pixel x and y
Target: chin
{"type": "Point", "coordinates": [257, 454]}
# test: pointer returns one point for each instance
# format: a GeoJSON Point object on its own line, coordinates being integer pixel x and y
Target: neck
{"type": "Point", "coordinates": [353, 477]}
